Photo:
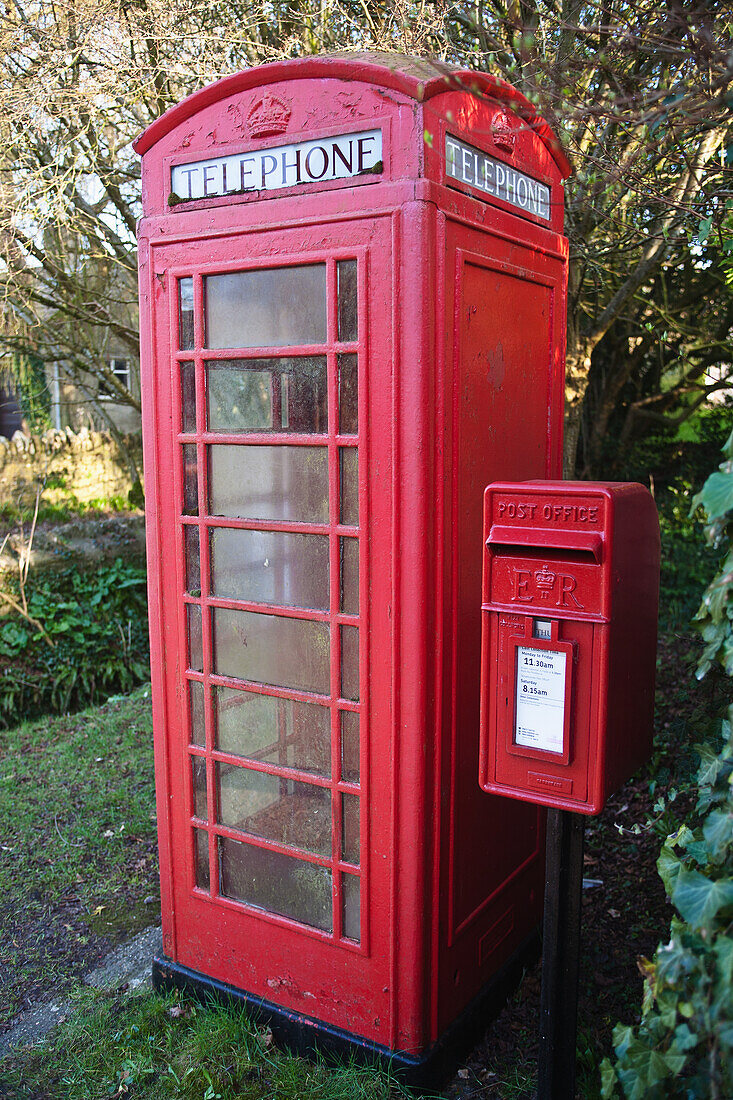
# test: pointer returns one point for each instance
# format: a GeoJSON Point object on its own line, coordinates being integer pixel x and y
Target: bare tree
{"type": "Point", "coordinates": [639, 92]}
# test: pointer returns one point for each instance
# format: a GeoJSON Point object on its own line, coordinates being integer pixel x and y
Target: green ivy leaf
{"type": "Point", "coordinates": [698, 850]}
{"type": "Point", "coordinates": [685, 1039]}
{"type": "Point", "coordinates": [664, 1065]}
{"type": "Point", "coordinates": [718, 832]}
{"type": "Point", "coordinates": [622, 1037]}
{"type": "Point", "coordinates": [681, 836]}
{"type": "Point", "coordinates": [699, 899]}
{"type": "Point", "coordinates": [669, 866]}
{"type": "Point", "coordinates": [608, 1080]}
{"type": "Point", "coordinates": [723, 949]}
{"type": "Point", "coordinates": [634, 1072]}
{"type": "Point", "coordinates": [703, 229]}
{"type": "Point", "coordinates": [716, 495]}
{"type": "Point", "coordinates": [13, 637]}
{"type": "Point", "coordinates": [710, 766]}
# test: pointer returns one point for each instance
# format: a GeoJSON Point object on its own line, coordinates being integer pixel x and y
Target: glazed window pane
{"type": "Point", "coordinates": [351, 904]}
{"type": "Point", "coordinates": [188, 397]}
{"type": "Point", "coordinates": [350, 828]}
{"type": "Point", "coordinates": [349, 486]}
{"type": "Point", "coordinates": [190, 481]}
{"type": "Point", "coordinates": [270, 649]}
{"type": "Point", "coordinates": [275, 483]}
{"type": "Point", "coordinates": [270, 567]}
{"type": "Point", "coordinates": [348, 395]}
{"type": "Point", "coordinates": [347, 300]}
{"type": "Point", "coordinates": [269, 806]}
{"type": "Point", "coordinates": [195, 638]}
{"type": "Point", "coordinates": [201, 856]}
{"type": "Point", "coordinates": [275, 731]}
{"type": "Point", "coordinates": [350, 746]}
{"type": "Point", "coordinates": [350, 663]}
{"type": "Point", "coordinates": [267, 308]}
{"type": "Point", "coordinates": [196, 712]}
{"type": "Point", "coordinates": [350, 576]}
{"type": "Point", "coordinates": [263, 395]}
{"type": "Point", "coordinates": [276, 883]}
{"type": "Point", "coordinates": [200, 800]}
{"type": "Point", "coordinates": [193, 560]}
{"type": "Point", "coordinates": [185, 313]}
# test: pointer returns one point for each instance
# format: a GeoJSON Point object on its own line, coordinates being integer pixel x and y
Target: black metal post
{"type": "Point", "coordinates": [560, 955]}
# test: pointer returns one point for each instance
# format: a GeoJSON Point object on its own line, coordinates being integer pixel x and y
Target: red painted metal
{"type": "Point", "coordinates": [460, 351]}
{"type": "Point", "coordinates": [582, 558]}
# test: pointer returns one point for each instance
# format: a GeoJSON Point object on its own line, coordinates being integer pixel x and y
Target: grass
{"type": "Point", "coordinates": [79, 860]}
{"type": "Point", "coordinates": [66, 509]}
{"type": "Point", "coordinates": [78, 845]}
{"type": "Point", "coordinates": [145, 1046]}
{"type": "Point", "coordinates": [78, 836]}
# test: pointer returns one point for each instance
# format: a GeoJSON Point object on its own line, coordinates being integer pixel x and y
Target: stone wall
{"type": "Point", "coordinates": [77, 466]}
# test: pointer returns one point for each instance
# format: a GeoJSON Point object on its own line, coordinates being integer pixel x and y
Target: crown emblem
{"type": "Point", "coordinates": [268, 115]}
{"type": "Point", "coordinates": [503, 134]}
{"type": "Point", "coordinates": [545, 582]}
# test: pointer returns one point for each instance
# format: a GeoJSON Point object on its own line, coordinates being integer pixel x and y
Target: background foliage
{"type": "Point", "coordinates": [92, 641]}
{"type": "Point", "coordinates": [715, 616]}
{"type": "Point", "coordinates": [640, 93]}
{"type": "Point", "coordinates": [683, 1046]}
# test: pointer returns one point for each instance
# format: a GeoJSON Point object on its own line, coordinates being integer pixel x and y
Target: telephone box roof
{"type": "Point", "coordinates": [419, 78]}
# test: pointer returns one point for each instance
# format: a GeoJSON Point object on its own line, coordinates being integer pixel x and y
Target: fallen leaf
{"type": "Point", "coordinates": [99, 909]}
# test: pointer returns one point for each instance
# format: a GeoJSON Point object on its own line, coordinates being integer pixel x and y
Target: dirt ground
{"type": "Point", "coordinates": [625, 913]}
{"type": "Point", "coordinates": [89, 538]}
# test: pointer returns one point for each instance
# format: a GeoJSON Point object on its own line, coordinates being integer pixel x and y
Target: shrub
{"type": "Point", "coordinates": [683, 1046]}
{"type": "Point", "coordinates": [715, 617]}
{"type": "Point", "coordinates": [684, 1043]}
{"type": "Point", "coordinates": [88, 640]}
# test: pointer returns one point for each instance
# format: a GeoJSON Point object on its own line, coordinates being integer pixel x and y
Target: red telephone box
{"type": "Point", "coordinates": [352, 282]}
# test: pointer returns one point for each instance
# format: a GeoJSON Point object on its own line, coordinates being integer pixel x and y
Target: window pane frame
{"type": "Point", "coordinates": [335, 527]}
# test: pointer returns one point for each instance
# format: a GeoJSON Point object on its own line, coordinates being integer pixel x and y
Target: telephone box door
{"type": "Point", "coordinates": [275, 693]}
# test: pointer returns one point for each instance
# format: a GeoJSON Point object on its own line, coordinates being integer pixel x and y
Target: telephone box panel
{"type": "Point", "coordinates": [571, 589]}
{"type": "Point", "coordinates": [347, 330]}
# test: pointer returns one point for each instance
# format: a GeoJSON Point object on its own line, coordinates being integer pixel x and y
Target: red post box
{"type": "Point", "coordinates": [352, 281]}
{"type": "Point", "coordinates": [570, 597]}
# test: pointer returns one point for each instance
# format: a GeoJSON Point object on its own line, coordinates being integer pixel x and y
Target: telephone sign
{"type": "Point", "coordinates": [277, 167]}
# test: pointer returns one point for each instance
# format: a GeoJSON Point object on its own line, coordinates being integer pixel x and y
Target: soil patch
{"type": "Point", "coordinates": [79, 867]}
{"type": "Point", "coordinates": [84, 539]}
{"type": "Point", "coordinates": [625, 912]}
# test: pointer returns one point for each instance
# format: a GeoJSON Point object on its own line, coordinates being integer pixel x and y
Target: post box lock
{"type": "Point", "coordinates": [569, 616]}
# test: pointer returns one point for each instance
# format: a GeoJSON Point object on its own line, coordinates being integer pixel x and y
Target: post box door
{"type": "Point", "coordinates": [263, 536]}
